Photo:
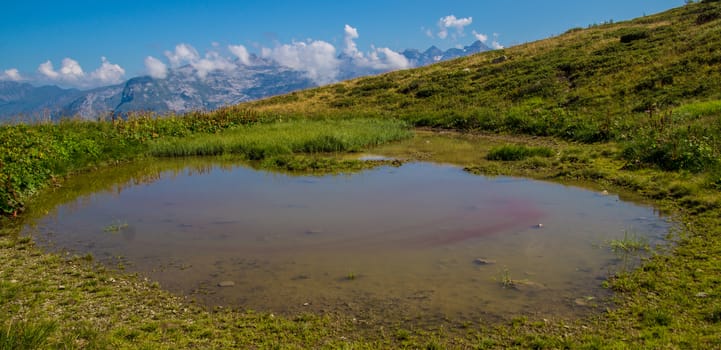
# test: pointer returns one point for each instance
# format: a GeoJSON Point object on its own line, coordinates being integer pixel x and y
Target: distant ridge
{"type": "Point", "coordinates": [182, 91]}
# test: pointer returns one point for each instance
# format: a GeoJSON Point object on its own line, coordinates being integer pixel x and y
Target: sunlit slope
{"type": "Point", "coordinates": [586, 84]}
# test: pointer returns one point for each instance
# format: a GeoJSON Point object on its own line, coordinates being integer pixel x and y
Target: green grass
{"type": "Point", "coordinates": [518, 152]}
{"type": "Point", "coordinates": [20, 336]}
{"type": "Point", "coordinates": [628, 244]}
{"type": "Point", "coordinates": [261, 141]}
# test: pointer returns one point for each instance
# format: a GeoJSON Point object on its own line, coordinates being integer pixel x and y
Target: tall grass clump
{"type": "Point", "coordinates": [26, 335]}
{"type": "Point", "coordinates": [260, 141]}
{"type": "Point", "coordinates": [518, 152]}
{"type": "Point", "coordinates": [688, 138]}
{"type": "Point", "coordinates": [699, 109]}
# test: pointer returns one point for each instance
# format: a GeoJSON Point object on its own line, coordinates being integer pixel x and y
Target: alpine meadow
{"type": "Point", "coordinates": [630, 107]}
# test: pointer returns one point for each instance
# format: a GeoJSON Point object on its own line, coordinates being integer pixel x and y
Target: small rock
{"type": "Point", "coordinates": [306, 304]}
{"type": "Point", "coordinates": [701, 295]}
{"type": "Point", "coordinates": [226, 284]}
{"type": "Point", "coordinates": [482, 261]}
{"type": "Point", "coordinates": [604, 192]}
{"type": "Point", "coordinates": [61, 287]}
{"type": "Point", "coordinates": [13, 281]}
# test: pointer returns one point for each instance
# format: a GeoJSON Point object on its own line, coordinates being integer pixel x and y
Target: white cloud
{"type": "Point", "coordinates": [47, 70]}
{"type": "Point", "coordinates": [379, 58]}
{"type": "Point", "coordinates": [386, 59]}
{"type": "Point", "coordinates": [350, 46]}
{"type": "Point", "coordinates": [156, 68]}
{"type": "Point", "coordinates": [187, 54]}
{"type": "Point", "coordinates": [480, 37]}
{"type": "Point", "coordinates": [72, 74]}
{"type": "Point", "coordinates": [317, 59]}
{"type": "Point", "coordinates": [70, 71]}
{"type": "Point", "coordinates": [241, 52]}
{"type": "Point", "coordinates": [495, 44]}
{"type": "Point", "coordinates": [451, 22]}
{"type": "Point", "coordinates": [183, 54]}
{"type": "Point", "coordinates": [107, 73]}
{"type": "Point", "coordinates": [213, 61]}
{"type": "Point", "coordinates": [11, 74]}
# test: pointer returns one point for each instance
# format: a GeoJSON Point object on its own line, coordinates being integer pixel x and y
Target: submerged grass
{"type": "Point", "coordinates": [629, 243]}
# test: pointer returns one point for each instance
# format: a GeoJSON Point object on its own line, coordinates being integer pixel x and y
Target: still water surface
{"type": "Point", "coordinates": [422, 241]}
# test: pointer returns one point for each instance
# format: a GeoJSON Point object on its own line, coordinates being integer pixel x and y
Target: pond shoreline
{"type": "Point", "coordinates": [384, 244]}
{"type": "Point", "coordinates": [76, 301]}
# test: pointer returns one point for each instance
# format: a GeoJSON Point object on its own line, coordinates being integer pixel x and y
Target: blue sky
{"type": "Point", "coordinates": [93, 43]}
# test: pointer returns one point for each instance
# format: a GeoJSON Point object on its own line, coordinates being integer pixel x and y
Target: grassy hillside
{"type": "Point", "coordinates": [653, 83]}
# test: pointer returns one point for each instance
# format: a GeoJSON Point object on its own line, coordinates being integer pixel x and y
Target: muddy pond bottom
{"type": "Point", "coordinates": [418, 242]}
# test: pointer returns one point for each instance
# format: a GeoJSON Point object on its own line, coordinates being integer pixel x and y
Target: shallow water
{"type": "Point", "coordinates": [386, 244]}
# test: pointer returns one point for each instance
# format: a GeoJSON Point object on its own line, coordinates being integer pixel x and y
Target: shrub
{"type": "Point", "coordinates": [680, 149]}
{"type": "Point", "coordinates": [633, 36]}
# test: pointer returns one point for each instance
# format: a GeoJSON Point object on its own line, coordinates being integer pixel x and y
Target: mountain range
{"type": "Point", "coordinates": [183, 91]}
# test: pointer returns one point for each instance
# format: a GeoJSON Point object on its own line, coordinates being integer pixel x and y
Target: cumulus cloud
{"type": "Point", "coordinates": [316, 58]}
{"type": "Point", "coordinates": [495, 44]}
{"type": "Point", "coordinates": [451, 22]}
{"type": "Point", "coordinates": [241, 52]}
{"type": "Point", "coordinates": [480, 37]}
{"type": "Point", "coordinates": [11, 74]}
{"type": "Point", "coordinates": [381, 58]}
{"type": "Point", "coordinates": [351, 49]}
{"type": "Point", "coordinates": [70, 70]}
{"type": "Point", "coordinates": [212, 61]}
{"type": "Point", "coordinates": [107, 73]}
{"type": "Point", "coordinates": [183, 54]}
{"type": "Point", "coordinates": [47, 70]}
{"type": "Point", "coordinates": [156, 68]}
{"type": "Point", "coordinates": [72, 74]}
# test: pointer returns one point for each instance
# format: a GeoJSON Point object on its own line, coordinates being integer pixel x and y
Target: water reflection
{"type": "Point", "coordinates": [418, 242]}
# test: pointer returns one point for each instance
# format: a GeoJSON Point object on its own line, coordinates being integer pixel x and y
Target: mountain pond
{"type": "Point", "coordinates": [420, 243]}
